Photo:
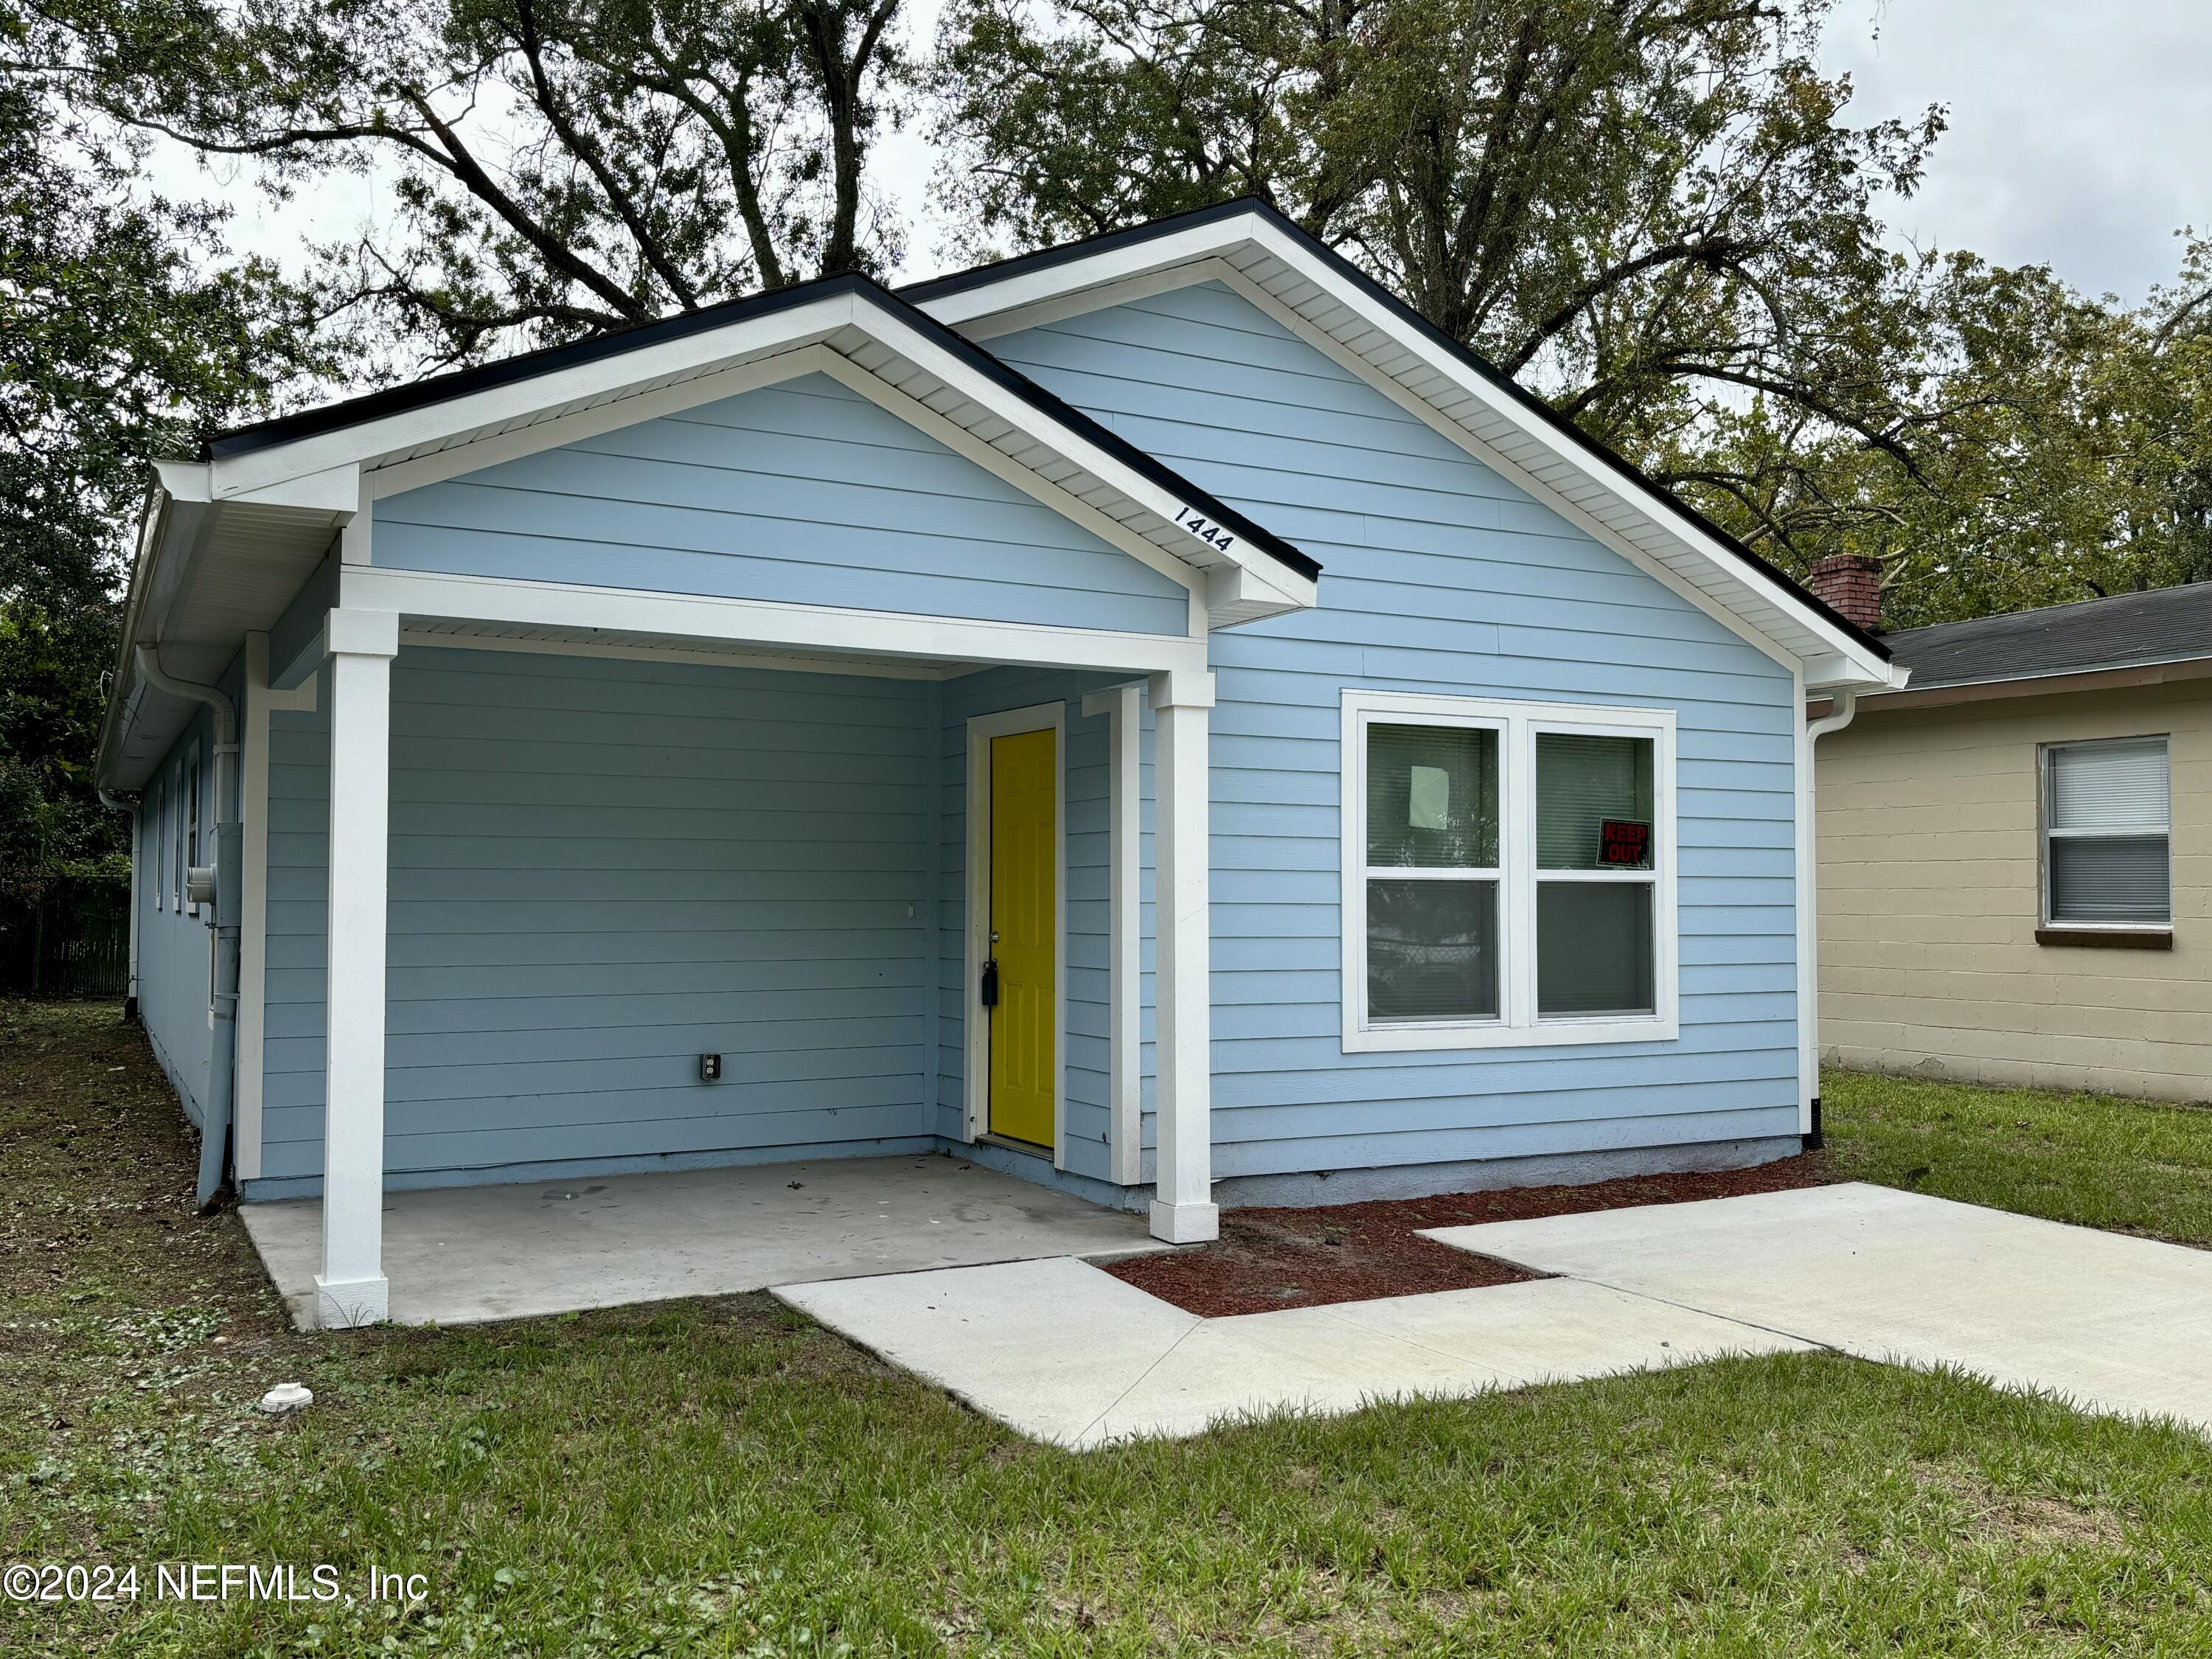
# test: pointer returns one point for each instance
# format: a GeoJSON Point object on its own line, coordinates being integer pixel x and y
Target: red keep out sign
{"type": "Point", "coordinates": [1622, 842]}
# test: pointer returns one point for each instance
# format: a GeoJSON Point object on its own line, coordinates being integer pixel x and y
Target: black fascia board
{"type": "Point", "coordinates": [523, 366]}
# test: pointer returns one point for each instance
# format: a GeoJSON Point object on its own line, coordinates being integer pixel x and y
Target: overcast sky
{"type": "Point", "coordinates": [2080, 135]}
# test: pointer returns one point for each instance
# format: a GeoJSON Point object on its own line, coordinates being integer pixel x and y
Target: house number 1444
{"type": "Point", "coordinates": [1211, 534]}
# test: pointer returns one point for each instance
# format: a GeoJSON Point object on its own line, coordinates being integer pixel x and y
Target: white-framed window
{"type": "Point", "coordinates": [1509, 873]}
{"type": "Point", "coordinates": [190, 855]}
{"type": "Point", "coordinates": [2106, 845]}
{"type": "Point", "coordinates": [157, 838]}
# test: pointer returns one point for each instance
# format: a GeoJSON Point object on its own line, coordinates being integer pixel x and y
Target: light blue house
{"type": "Point", "coordinates": [1154, 716]}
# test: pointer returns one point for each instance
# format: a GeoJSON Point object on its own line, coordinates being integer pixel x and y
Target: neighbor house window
{"type": "Point", "coordinates": [1508, 873]}
{"type": "Point", "coordinates": [2106, 808]}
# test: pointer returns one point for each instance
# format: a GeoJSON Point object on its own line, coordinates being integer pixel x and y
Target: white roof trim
{"type": "Point", "coordinates": [899, 365]}
{"type": "Point", "coordinates": [1268, 261]}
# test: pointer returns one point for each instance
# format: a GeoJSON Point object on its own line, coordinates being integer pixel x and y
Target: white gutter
{"type": "Point", "coordinates": [1843, 703]}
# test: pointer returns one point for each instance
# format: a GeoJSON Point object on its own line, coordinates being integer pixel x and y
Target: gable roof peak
{"type": "Point", "coordinates": [1279, 265]}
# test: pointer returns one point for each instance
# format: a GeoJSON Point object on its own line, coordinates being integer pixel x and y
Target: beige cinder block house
{"type": "Point", "coordinates": [2015, 853]}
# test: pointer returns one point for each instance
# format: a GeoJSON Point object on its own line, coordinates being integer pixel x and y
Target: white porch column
{"type": "Point", "coordinates": [1125, 1046]}
{"type": "Point", "coordinates": [351, 1289]}
{"type": "Point", "coordinates": [1183, 1211]}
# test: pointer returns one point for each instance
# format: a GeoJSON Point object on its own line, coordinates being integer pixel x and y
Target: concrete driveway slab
{"type": "Point", "coordinates": [1062, 1351]}
{"type": "Point", "coordinates": [1557, 1330]}
{"type": "Point", "coordinates": [1446, 1345]}
{"type": "Point", "coordinates": [2115, 1324]}
{"type": "Point", "coordinates": [1046, 1347]}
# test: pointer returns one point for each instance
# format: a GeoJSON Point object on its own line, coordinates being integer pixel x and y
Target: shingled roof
{"type": "Point", "coordinates": [2127, 630]}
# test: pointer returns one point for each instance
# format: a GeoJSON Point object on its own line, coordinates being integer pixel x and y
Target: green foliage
{"type": "Point", "coordinates": [125, 331]}
{"type": "Point", "coordinates": [1655, 213]}
{"type": "Point", "coordinates": [556, 168]}
{"type": "Point", "coordinates": [2074, 451]}
{"type": "Point", "coordinates": [51, 823]}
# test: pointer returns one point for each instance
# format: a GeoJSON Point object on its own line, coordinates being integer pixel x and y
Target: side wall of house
{"type": "Point", "coordinates": [801, 493]}
{"type": "Point", "coordinates": [176, 941]}
{"type": "Point", "coordinates": [175, 955]}
{"type": "Point", "coordinates": [600, 869]}
{"type": "Point", "coordinates": [1441, 575]}
{"type": "Point", "coordinates": [1930, 901]}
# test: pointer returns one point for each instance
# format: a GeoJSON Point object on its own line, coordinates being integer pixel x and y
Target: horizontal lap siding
{"type": "Point", "coordinates": [803, 493]}
{"type": "Point", "coordinates": [1439, 575]}
{"type": "Point", "coordinates": [600, 869]}
{"type": "Point", "coordinates": [175, 957]}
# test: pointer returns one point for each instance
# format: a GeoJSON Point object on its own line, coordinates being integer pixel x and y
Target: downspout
{"type": "Point", "coordinates": [215, 1129]}
{"type": "Point", "coordinates": [131, 992]}
{"type": "Point", "coordinates": [1842, 706]}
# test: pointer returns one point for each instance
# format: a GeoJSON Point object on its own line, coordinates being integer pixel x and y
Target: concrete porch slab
{"type": "Point", "coordinates": [456, 1255]}
{"type": "Point", "coordinates": [1062, 1352]}
{"type": "Point", "coordinates": [2115, 1324]}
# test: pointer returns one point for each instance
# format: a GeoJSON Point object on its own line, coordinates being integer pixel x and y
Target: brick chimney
{"type": "Point", "coordinates": [1850, 585]}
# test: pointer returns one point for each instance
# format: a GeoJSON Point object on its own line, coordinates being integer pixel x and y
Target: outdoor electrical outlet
{"type": "Point", "coordinates": [710, 1068]}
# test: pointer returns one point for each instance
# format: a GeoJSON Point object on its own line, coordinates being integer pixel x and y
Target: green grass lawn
{"type": "Point", "coordinates": [2133, 1165]}
{"type": "Point", "coordinates": [722, 1477]}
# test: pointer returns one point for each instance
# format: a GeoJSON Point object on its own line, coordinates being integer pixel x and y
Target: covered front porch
{"type": "Point", "coordinates": [459, 1256]}
{"type": "Point", "coordinates": [663, 930]}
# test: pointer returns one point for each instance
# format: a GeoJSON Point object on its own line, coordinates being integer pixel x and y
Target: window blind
{"type": "Point", "coordinates": [1580, 782]}
{"type": "Point", "coordinates": [2110, 786]}
{"type": "Point", "coordinates": [2105, 852]}
{"type": "Point", "coordinates": [1432, 796]}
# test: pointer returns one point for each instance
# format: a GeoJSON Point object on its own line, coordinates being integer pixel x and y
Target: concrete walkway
{"type": "Point", "coordinates": [2115, 1324]}
{"type": "Point", "coordinates": [459, 1254]}
{"type": "Point", "coordinates": [1062, 1352]}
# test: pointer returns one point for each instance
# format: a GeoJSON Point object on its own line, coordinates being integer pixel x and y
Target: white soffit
{"type": "Point", "coordinates": [1279, 268]}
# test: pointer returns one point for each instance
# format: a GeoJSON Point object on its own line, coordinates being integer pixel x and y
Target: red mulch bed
{"type": "Point", "coordinates": [1268, 1259]}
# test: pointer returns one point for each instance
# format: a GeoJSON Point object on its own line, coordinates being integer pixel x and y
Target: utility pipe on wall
{"type": "Point", "coordinates": [1842, 706]}
{"type": "Point", "coordinates": [214, 1125]}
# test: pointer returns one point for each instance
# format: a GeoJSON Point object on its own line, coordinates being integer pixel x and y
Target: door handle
{"type": "Point", "coordinates": [991, 983]}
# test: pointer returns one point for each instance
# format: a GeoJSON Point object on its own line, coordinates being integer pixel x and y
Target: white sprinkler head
{"type": "Point", "coordinates": [287, 1397]}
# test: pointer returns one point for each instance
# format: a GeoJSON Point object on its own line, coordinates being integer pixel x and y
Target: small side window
{"type": "Point", "coordinates": [2107, 846]}
{"type": "Point", "coordinates": [157, 840]}
{"type": "Point", "coordinates": [192, 826]}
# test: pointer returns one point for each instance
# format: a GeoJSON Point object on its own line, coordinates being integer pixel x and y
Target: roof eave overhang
{"type": "Point", "coordinates": [2118, 677]}
{"type": "Point", "coordinates": [1360, 323]}
{"type": "Point", "coordinates": [209, 566]}
{"type": "Point", "coordinates": [878, 334]}
{"type": "Point", "coordinates": [288, 488]}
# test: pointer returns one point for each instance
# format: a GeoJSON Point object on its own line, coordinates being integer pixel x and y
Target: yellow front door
{"type": "Point", "coordinates": [1025, 943]}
